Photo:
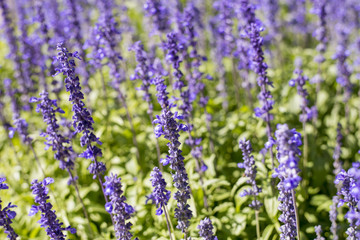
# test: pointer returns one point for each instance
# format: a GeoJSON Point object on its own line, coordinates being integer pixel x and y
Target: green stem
{"type": "Point", "coordinates": [296, 215]}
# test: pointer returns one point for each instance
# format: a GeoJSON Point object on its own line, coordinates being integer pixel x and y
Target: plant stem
{"type": "Point", "coordinates": [258, 235]}
{"type": "Point", "coordinates": [296, 214]}
{"type": "Point", "coordinates": [305, 146]}
{"type": "Point", "coordinates": [257, 224]}
{"type": "Point", "coordinates": [80, 199]}
{"type": "Point", "coordinates": [167, 222]}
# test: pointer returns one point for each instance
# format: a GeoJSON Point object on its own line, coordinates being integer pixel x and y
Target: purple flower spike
{"type": "Point", "coordinates": [168, 126]}
{"type": "Point", "coordinates": [120, 210]}
{"type": "Point", "coordinates": [158, 12]}
{"type": "Point", "coordinates": [20, 125]}
{"type": "Point", "coordinates": [54, 228]}
{"type": "Point", "coordinates": [6, 214]}
{"type": "Point", "coordinates": [250, 172]}
{"type": "Point", "coordinates": [82, 119]}
{"type": "Point", "coordinates": [160, 195]}
{"type": "Point", "coordinates": [318, 233]}
{"type": "Point", "coordinates": [288, 142]}
{"type": "Point", "coordinates": [350, 193]}
{"type": "Point", "coordinates": [308, 113]}
{"type": "Point", "coordinates": [64, 154]}
{"type": "Point", "coordinates": [206, 230]}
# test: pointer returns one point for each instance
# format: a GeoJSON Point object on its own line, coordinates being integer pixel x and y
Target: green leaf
{"type": "Point", "coordinates": [267, 232]}
{"type": "Point", "coordinates": [271, 206]}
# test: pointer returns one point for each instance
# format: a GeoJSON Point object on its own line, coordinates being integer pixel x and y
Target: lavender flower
{"type": "Point", "coordinates": [308, 113]}
{"type": "Point", "coordinates": [20, 125]}
{"type": "Point", "coordinates": [82, 120]}
{"type": "Point", "coordinates": [120, 210]}
{"type": "Point", "coordinates": [271, 10]}
{"type": "Point", "coordinates": [206, 229]}
{"type": "Point", "coordinates": [224, 25]}
{"type": "Point", "coordinates": [350, 193]}
{"type": "Point", "coordinates": [288, 142]}
{"type": "Point", "coordinates": [343, 70]}
{"type": "Point", "coordinates": [6, 214]}
{"type": "Point", "coordinates": [318, 233]}
{"type": "Point", "coordinates": [64, 154]}
{"type": "Point", "coordinates": [297, 16]}
{"type": "Point", "coordinates": [158, 12]}
{"type": "Point", "coordinates": [320, 33]}
{"type": "Point", "coordinates": [253, 29]}
{"type": "Point", "coordinates": [54, 228]}
{"type": "Point", "coordinates": [26, 47]}
{"type": "Point", "coordinates": [160, 195]}
{"type": "Point", "coordinates": [170, 128]}
{"type": "Point", "coordinates": [73, 31]}
{"type": "Point", "coordinates": [333, 213]}
{"type": "Point", "coordinates": [143, 71]}
{"type": "Point", "coordinates": [173, 48]}
{"type": "Point", "coordinates": [250, 172]}
{"type": "Point", "coordinates": [12, 42]}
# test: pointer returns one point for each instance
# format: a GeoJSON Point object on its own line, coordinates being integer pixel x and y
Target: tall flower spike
{"type": "Point", "coordinates": [144, 72]}
{"type": "Point", "coordinates": [168, 126]}
{"type": "Point", "coordinates": [82, 119]}
{"type": "Point", "coordinates": [64, 154]}
{"type": "Point", "coordinates": [6, 214]}
{"type": "Point", "coordinates": [12, 42]}
{"type": "Point", "coordinates": [120, 210]}
{"type": "Point", "coordinates": [253, 28]}
{"type": "Point", "coordinates": [54, 228]}
{"type": "Point", "coordinates": [308, 113]}
{"type": "Point", "coordinates": [160, 195]}
{"type": "Point", "coordinates": [206, 229]}
{"type": "Point", "coordinates": [288, 142]}
{"type": "Point", "coordinates": [20, 125]}
{"type": "Point", "coordinates": [159, 14]}
{"type": "Point", "coordinates": [250, 172]}
{"type": "Point", "coordinates": [333, 213]}
{"type": "Point", "coordinates": [350, 193]}
{"type": "Point", "coordinates": [318, 233]}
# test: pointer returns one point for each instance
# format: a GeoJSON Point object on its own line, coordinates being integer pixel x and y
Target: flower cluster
{"type": "Point", "coordinates": [337, 151]}
{"type": "Point", "coordinates": [308, 113]}
{"type": "Point", "coordinates": [172, 56]}
{"type": "Point", "coordinates": [250, 172]}
{"type": "Point", "coordinates": [350, 193]}
{"type": "Point", "coordinates": [318, 233]}
{"type": "Point", "coordinates": [160, 196]}
{"type": "Point", "coordinates": [287, 142]}
{"type": "Point", "coordinates": [206, 229]}
{"type": "Point", "coordinates": [253, 28]}
{"type": "Point", "coordinates": [223, 22]}
{"type": "Point", "coordinates": [54, 228]}
{"type": "Point", "coordinates": [143, 71]}
{"type": "Point", "coordinates": [82, 120]}
{"type": "Point", "coordinates": [20, 125]}
{"type": "Point", "coordinates": [73, 31]}
{"type": "Point", "coordinates": [120, 210]}
{"type": "Point", "coordinates": [320, 33]}
{"type": "Point", "coordinates": [168, 126]}
{"type": "Point", "coordinates": [6, 214]}
{"type": "Point", "coordinates": [12, 42]}
{"type": "Point", "coordinates": [64, 154]}
{"type": "Point", "coordinates": [157, 10]}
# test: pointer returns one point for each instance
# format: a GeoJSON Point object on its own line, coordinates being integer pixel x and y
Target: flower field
{"type": "Point", "coordinates": [180, 119]}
